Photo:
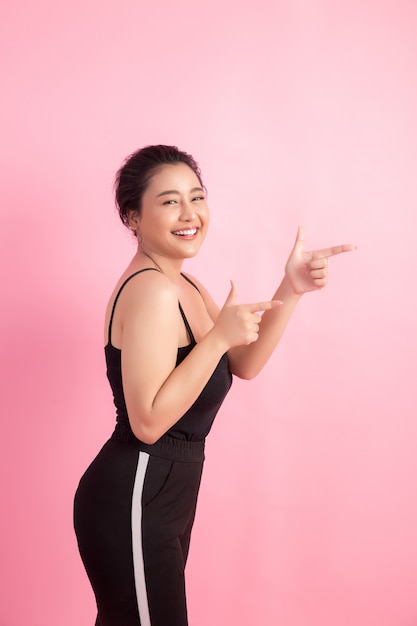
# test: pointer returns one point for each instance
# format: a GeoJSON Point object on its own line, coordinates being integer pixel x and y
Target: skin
{"type": "Point", "coordinates": [147, 324]}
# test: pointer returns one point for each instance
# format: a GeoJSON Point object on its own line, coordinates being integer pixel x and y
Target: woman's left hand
{"type": "Point", "coordinates": [307, 271]}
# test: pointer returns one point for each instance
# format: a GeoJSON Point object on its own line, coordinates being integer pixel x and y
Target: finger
{"type": "Point", "coordinates": [252, 337]}
{"type": "Point", "coordinates": [319, 264]}
{"type": "Point", "coordinates": [263, 306]}
{"type": "Point", "coordinates": [321, 273]}
{"type": "Point", "coordinates": [232, 297]}
{"type": "Point", "coordinates": [299, 241]}
{"type": "Point", "coordinates": [320, 282]}
{"type": "Point", "coordinates": [327, 252]}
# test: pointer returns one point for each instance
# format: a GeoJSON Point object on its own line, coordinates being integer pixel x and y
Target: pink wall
{"type": "Point", "coordinates": [299, 112]}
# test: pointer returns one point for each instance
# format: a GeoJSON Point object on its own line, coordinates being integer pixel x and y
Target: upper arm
{"type": "Point", "coordinates": [150, 324]}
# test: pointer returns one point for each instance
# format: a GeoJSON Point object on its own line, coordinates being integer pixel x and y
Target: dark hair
{"type": "Point", "coordinates": [134, 176]}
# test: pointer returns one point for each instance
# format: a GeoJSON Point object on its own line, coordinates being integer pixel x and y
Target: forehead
{"type": "Point", "coordinates": [179, 177]}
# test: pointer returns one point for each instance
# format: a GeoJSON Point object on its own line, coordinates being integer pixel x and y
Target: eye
{"type": "Point", "coordinates": [167, 202]}
{"type": "Point", "coordinates": [198, 198]}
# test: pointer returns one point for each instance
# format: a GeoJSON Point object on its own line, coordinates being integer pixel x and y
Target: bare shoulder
{"type": "Point", "coordinates": [148, 287]}
{"type": "Point", "coordinates": [136, 289]}
{"type": "Point", "coordinates": [148, 298]}
{"type": "Point", "coordinates": [145, 296]}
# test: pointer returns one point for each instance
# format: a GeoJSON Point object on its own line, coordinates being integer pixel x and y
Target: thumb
{"type": "Point", "coordinates": [299, 241]}
{"type": "Point", "coordinates": [232, 297]}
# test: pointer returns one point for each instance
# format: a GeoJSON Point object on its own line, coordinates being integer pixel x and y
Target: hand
{"type": "Point", "coordinates": [238, 324]}
{"type": "Point", "coordinates": [307, 271]}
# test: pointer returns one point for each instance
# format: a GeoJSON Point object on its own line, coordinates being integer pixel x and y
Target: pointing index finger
{"type": "Point", "coordinates": [263, 306]}
{"type": "Point", "coordinates": [328, 252]}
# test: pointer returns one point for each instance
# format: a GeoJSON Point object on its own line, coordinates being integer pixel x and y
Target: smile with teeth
{"type": "Point", "coordinates": [189, 232]}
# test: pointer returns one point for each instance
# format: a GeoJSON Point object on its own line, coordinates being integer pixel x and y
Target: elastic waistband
{"type": "Point", "coordinates": [166, 447]}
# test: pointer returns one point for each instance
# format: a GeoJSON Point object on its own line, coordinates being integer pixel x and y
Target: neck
{"type": "Point", "coordinates": [170, 267]}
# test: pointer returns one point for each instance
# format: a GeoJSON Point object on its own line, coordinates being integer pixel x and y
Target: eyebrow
{"type": "Point", "coordinates": [174, 191]}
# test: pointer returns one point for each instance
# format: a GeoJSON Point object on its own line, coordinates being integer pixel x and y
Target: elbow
{"type": "Point", "coordinates": [147, 438]}
{"type": "Point", "coordinates": [245, 373]}
{"type": "Point", "coordinates": [146, 433]}
{"type": "Point", "coordinates": [248, 376]}
{"type": "Point", "coordinates": [243, 367]}
{"type": "Point", "coordinates": [145, 426]}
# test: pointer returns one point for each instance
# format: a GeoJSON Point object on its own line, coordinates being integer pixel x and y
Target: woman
{"type": "Point", "coordinates": [170, 356]}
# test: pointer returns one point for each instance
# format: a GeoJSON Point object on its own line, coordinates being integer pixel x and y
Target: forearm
{"type": "Point", "coordinates": [247, 361]}
{"type": "Point", "coordinates": [179, 391]}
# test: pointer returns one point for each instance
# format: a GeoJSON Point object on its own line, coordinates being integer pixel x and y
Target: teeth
{"type": "Point", "coordinates": [190, 231]}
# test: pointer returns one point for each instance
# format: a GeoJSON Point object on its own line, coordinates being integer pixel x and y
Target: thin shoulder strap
{"type": "Point", "coordinates": [187, 326]}
{"type": "Point", "coordinates": [118, 294]}
{"type": "Point", "coordinates": [190, 281]}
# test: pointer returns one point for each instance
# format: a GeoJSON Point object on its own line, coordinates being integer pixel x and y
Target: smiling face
{"type": "Point", "coordinates": [174, 216]}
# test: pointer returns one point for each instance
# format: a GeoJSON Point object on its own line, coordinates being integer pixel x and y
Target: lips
{"type": "Point", "coordinates": [186, 232]}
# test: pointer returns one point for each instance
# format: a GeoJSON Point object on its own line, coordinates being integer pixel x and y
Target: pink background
{"type": "Point", "coordinates": [299, 112]}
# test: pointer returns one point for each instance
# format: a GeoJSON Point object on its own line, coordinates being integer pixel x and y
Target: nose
{"type": "Point", "coordinates": [187, 212]}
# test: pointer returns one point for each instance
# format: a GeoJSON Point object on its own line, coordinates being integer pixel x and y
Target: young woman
{"type": "Point", "coordinates": [170, 354]}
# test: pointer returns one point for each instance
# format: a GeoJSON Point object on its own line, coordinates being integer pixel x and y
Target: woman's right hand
{"type": "Point", "coordinates": [238, 324]}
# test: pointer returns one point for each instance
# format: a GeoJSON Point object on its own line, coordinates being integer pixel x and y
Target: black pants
{"type": "Point", "coordinates": [133, 515]}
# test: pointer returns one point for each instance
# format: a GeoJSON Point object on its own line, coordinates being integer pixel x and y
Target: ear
{"type": "Point", "coordinates": [133, 219]}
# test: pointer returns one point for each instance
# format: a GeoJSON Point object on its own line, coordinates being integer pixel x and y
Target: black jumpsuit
{"type": "Point", "coordinates": [135, 505]}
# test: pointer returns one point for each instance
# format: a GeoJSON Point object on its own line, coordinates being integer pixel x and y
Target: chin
{"type": "Point", "coordinates": [189, 254]}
